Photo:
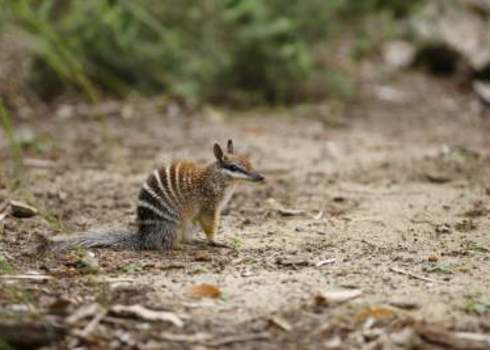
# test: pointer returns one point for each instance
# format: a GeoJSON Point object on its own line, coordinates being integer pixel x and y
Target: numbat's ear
{"type": "Point", "coordinates": [218, 152]}
{"type": "Point", "coordinates": [229, 146]}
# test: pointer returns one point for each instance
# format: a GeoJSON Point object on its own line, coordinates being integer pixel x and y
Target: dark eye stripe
{"type": "Point", "coordinates": [235, 168]}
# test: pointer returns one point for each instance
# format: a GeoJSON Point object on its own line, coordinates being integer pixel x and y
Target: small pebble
{"type": "Point", "coordinates": [444, 228]}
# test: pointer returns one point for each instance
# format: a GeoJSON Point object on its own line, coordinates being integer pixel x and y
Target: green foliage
{"type": "Point", "coordinates": [437, 267]}
{"type": "Point", "coordinates": [5, 267]}
{"type": "Point", "coordinates": [399, 8]}
{"type": "Point", "coordinates": [15, 148]}
{"type": "Point", "coordinates": [236, 243]}
{"type": "Point", "coordinates": [208, 50]}
{"type": "Point", "coordinates": [199, 269]}
{"type": "Point", "coordinates": [4, 345]}
{"type": "Point", "coordinates": [131, 268]}
{"type": "Point", "coordinates": [476, 306]}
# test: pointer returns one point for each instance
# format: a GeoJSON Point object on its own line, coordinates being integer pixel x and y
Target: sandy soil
{"type": "Point", "coordinates": [398, 180]}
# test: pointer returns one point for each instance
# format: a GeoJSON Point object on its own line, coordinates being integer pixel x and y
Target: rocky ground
{"type": "Point", "coordinates": [371, 231]}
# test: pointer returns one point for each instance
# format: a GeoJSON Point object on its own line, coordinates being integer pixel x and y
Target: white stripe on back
{"type": "Point", "coordinates": [160, 200]}
{"type": "Point", "coordinates": [167, 198]}
{"type": "Point", "coordinates": [169, 185]}
{"type": "Point", "coordinates": [188, 180]}
{"type": "Point", "coordinates": [155, 210]}
{"type": "Point", "coordinates": [177, 182]}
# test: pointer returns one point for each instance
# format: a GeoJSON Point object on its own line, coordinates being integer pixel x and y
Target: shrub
{"type": "Point", "coordinates": [208, 50]}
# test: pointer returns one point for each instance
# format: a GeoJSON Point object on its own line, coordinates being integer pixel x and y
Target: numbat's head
{"type": "Point", "coordinates": [235, 166]}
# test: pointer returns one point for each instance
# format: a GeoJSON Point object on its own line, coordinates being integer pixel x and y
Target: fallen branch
{"type": "Point", "coordinates": [141, 312]}
{"type": "Point", "coordinates": [453, 340]}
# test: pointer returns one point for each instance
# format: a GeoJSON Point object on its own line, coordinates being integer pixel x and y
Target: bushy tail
{"type": "Point", "coordinates": [105, 238]}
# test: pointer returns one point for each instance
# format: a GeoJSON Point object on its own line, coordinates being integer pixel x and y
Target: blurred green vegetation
{"type": "Point", "coordinates": [211, 50]}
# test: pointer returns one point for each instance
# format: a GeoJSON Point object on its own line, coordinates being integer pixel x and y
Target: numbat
{"type": "Point", "coordinates": [171, 199]}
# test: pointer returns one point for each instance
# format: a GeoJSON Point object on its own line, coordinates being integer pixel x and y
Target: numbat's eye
{"type": "Point", "coordinates": [233, 167]}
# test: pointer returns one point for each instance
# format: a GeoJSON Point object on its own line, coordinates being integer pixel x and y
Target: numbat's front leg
{"type": "Point", "coordinates": [209, 222]}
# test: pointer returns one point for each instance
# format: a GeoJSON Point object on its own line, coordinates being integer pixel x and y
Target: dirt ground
{"type": "Point", "coordinates": [389, 195]}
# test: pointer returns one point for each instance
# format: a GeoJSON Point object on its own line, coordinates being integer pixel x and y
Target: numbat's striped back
{"type": "Point", "coordinates": [164, 196]}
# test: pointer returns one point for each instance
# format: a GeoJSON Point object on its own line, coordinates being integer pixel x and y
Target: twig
{"type": "Point", "coordinates": [238, 339]}
{"type": "Point", "coordinates": [185, 338]}
{"type": "Point", "coordinates": [410, 274]}
{"type": "Point", "coordinates": [415, 221]}
{"type": "Point", "coordinates": [325, 262]}
{"type": "Point", "coordinates": [26, 277]}
{"type": "Point", "coordinates": [83, 312]}
{"type": "Point", "coordinates": [92, 324]}
{"type": "Point", "coordinates": [115, 279]}
{"type": "Point", "coordinates": [281, 323]}
{"type": "Point", "coordinates": [38, 163]}
{"type": "Point", "coordinates": [128, 323]}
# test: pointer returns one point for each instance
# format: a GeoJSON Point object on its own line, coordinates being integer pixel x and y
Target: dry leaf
{"type": "Point", "coordinates": [147, 314]}
{"type": "Point", "coordinates": [22, 210]}
{"type": "Point", "coordinates": [205, 290]}
{"type": "Point", "coordinates": [376, 313]}
{"type": "Point", "coordinates": [336, 296]}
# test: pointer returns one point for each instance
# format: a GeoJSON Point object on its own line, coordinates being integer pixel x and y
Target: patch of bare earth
{"type": "Point", "coordinates": [389, 196]}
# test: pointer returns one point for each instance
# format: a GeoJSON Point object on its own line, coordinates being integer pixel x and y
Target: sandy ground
{"type": "Point", "coordinates": [396, 183]}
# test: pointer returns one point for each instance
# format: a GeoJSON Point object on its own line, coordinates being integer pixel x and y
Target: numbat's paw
{"type": "Point", "coordinates": [219, 244]}
{"type": "Point", "coordinates": [200, 242]}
